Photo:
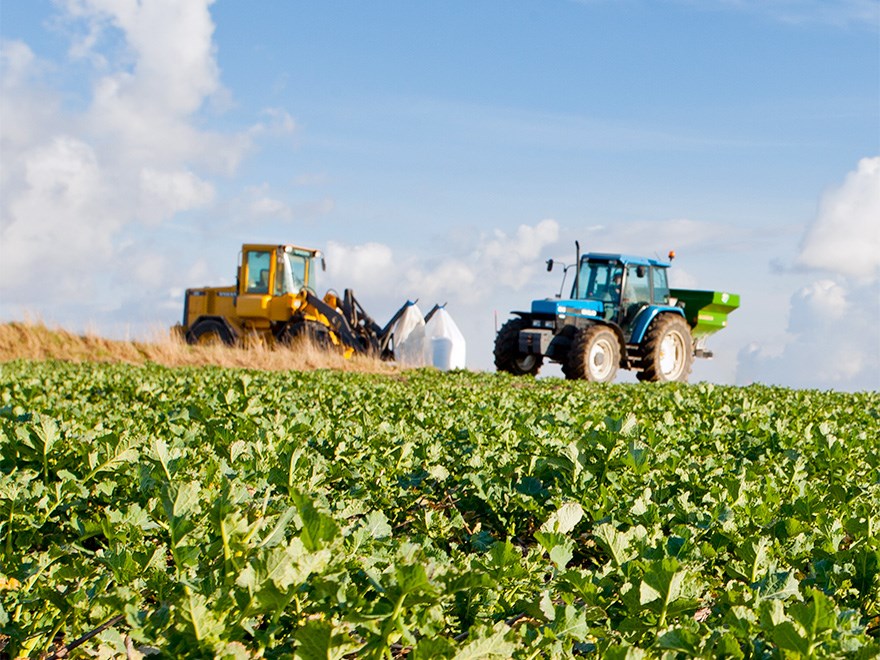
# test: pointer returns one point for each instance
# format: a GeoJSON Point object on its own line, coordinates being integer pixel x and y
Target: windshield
{"type": "Point", "coordinates": [294, 272]}
{"type": "Point", "coordinates": [598, 280]}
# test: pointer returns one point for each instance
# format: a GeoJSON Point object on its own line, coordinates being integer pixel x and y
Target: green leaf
{"type": "Point", "coordinates": [320, 640]}
{"type": "Point", "coordinates": [492, 645]}
{"type": "Point", "coordinates": [558, 546]}
{"type": "Point", "coordinates": [376, 525]}
{"type": "Point", "coordinates": [564, 519]}
{"type": "Point", "coordinates": [431, 648]}
{"type": "Point", "coordinates": [277, 533]}
{"type": "Point", "coordinates": [779, 586]}
{"type": "Point", "coordinates": [571, 622]}
{"type": "Point", "coordinates": [680, 639]}
{"type": "Point", "coordinates": [318, 529]}
{"type": "Point", "coordinates": [817, 615]}
{"type": "Point", "coordinates": [618, 543]}
{"type": "Point", "coordinates": [791, 637]}
{"type": "Point", "coordinates": [204, 623]}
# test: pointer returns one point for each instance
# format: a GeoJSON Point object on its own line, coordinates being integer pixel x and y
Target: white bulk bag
{"type": "Point", "coordinates": [448, 346]}
{"type": "Point", "coordinates": [410, 342]}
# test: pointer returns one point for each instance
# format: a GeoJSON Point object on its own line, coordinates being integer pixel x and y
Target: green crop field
{"type": "Point", "coordinates": [226, 513]}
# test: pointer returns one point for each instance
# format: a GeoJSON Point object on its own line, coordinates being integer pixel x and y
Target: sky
{"type": "Point", "coordinates": [443, 151]}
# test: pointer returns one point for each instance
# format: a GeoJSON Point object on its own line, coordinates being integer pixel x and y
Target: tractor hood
{"type": "Point", "coordinates": [568, 307]}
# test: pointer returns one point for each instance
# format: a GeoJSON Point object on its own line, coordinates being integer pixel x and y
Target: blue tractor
{"type": "Point", "coordinates": [621, 314]}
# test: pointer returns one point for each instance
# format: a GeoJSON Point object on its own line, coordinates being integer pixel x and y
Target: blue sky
{"type": "Point", "coordinates": [443, 151]}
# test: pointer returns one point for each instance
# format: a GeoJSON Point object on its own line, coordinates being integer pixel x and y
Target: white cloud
{"type": "Point", "coordinates": [84, 179]}
{"type": "Point", "coordinates": [655, 238]}
{"type": "Point", "coordinates": [832, 341]}
{"type": "Point", "coordinates": [278, 122]}
{"type": "Point", "coordinates": [832, 336]}
{"type": "Point", "coordinates": [368, 268]}
{"type": "Point", "coordinates": [845, 237]}
{"type": "Point", "coordinates": [172, 49]}
{"type": "Point", "coordinates": [165, 193]}
{"type": "Point", "coordinates": [497, 261]}
{"type": "Point", "coordinates": [825, 299]}
{"type": "Point", "coordinates": [59, 224]}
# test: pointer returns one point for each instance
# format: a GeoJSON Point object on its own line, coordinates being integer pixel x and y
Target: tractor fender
{"type": "Point", "coordinates": [646, 317]}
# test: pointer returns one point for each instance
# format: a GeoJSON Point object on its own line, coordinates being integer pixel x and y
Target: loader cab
{"type": "Point", "coordinates": [275, 270]}
{"type": "Point", "coordinates": [270, 276]}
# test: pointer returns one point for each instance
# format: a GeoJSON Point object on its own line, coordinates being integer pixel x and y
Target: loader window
{"type": "Point", "coordinates": [258, 264]}
{"type": "Point", "coordinates": [293, 274]}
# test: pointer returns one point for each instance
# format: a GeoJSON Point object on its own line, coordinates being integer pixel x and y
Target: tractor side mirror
{"type": "Point", "coordinates": [549, 265]}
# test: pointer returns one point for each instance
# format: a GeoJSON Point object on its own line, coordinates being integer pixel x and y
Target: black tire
{"type": "Point", "coordinates": [507, 355]}
{"type": "Point", "coordinates": [210, 332]}
{"type": "Point", "coordinates": [594, 355]}
{"type": "Point", "coordinates": [667, 350]}
{"type": "Point", "coordinates": [317, 333]}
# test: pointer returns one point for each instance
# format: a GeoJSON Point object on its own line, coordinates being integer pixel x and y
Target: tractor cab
{"type": "Point", "coordinates": [621, 285]}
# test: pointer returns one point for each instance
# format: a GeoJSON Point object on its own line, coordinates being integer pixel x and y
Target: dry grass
{"type": "Point", "coordinates": [34, 341]}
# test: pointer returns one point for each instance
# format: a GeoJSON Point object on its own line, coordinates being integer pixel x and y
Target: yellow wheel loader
{"type": "Point", "coordinates": [274, 302]}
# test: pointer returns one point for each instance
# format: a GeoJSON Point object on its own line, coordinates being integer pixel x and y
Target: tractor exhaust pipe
{"type": "Point", "coordinates": [577, 268]}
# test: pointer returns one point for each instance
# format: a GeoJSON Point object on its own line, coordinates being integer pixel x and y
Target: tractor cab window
{"type": "Point", "coordinates": [599, 280]}
{"type": "Point", "coordinates": [661, 286]}
{"type": "Point", "coordinates": [258, 263]}
{"type": "Point", "coordinates": [638, 285]}
{"type": "Point", "coordinates": [294, 273]}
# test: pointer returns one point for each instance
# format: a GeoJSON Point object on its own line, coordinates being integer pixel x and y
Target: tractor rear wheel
{"type": "Point", "coordinates": [594, 355]}
{"type": "Point", "coordinates": [507, 355]}
{"type": "Point", "coordinates": [317, 333]}
{"type": "Point", "coordinates": [667, 350]}
{"type": "Point", "coordinates": [210, 332]}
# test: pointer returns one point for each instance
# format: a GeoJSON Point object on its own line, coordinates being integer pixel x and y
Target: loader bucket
{"type": "Point", "coordinates": [706, 311]}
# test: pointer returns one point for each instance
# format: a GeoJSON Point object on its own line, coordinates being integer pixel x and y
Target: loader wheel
{"type": "Point", "coordinates": [316, 332]}
{"type": "Point", "coordinates": [210, 332]}
{"type": "Point", "coordinates": [507, 355]}
{"type": "Point", "coordinates": [667, 350]}
{"type": "Point", "coordinates": [594, 355]}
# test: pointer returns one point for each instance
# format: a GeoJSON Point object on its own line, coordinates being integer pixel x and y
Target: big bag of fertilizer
{"type": "Point", "coordinates": [447, 344]}
{"type": "Point", "coordinates": [411, 346]}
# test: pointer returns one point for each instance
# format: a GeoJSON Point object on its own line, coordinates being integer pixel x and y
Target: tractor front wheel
{"type": "Point", "coordinates": [594, 355]}
{"type": "Point", "coordinates": [507, 355]}
{"type": "Point", "coordinates": [210, 332]}
{"type": "Point", "coordinates": [667, 350]}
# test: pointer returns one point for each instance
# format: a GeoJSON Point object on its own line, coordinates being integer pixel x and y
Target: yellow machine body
{"type": "Point", "coordinates": [275, 285]}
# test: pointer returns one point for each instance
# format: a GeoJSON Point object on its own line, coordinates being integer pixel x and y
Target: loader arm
{"type": "Point", "coordinates": [364, 324]}
{"type": "Point", "coordinates": [356, 315]}
{"type": "Point", "coordinates": [338, 323]}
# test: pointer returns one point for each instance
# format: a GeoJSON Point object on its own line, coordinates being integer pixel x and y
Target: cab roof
{"type": "Point", "coordinates": [273, 246]}
{"type": "Point", "coordinates": [625, 259]}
